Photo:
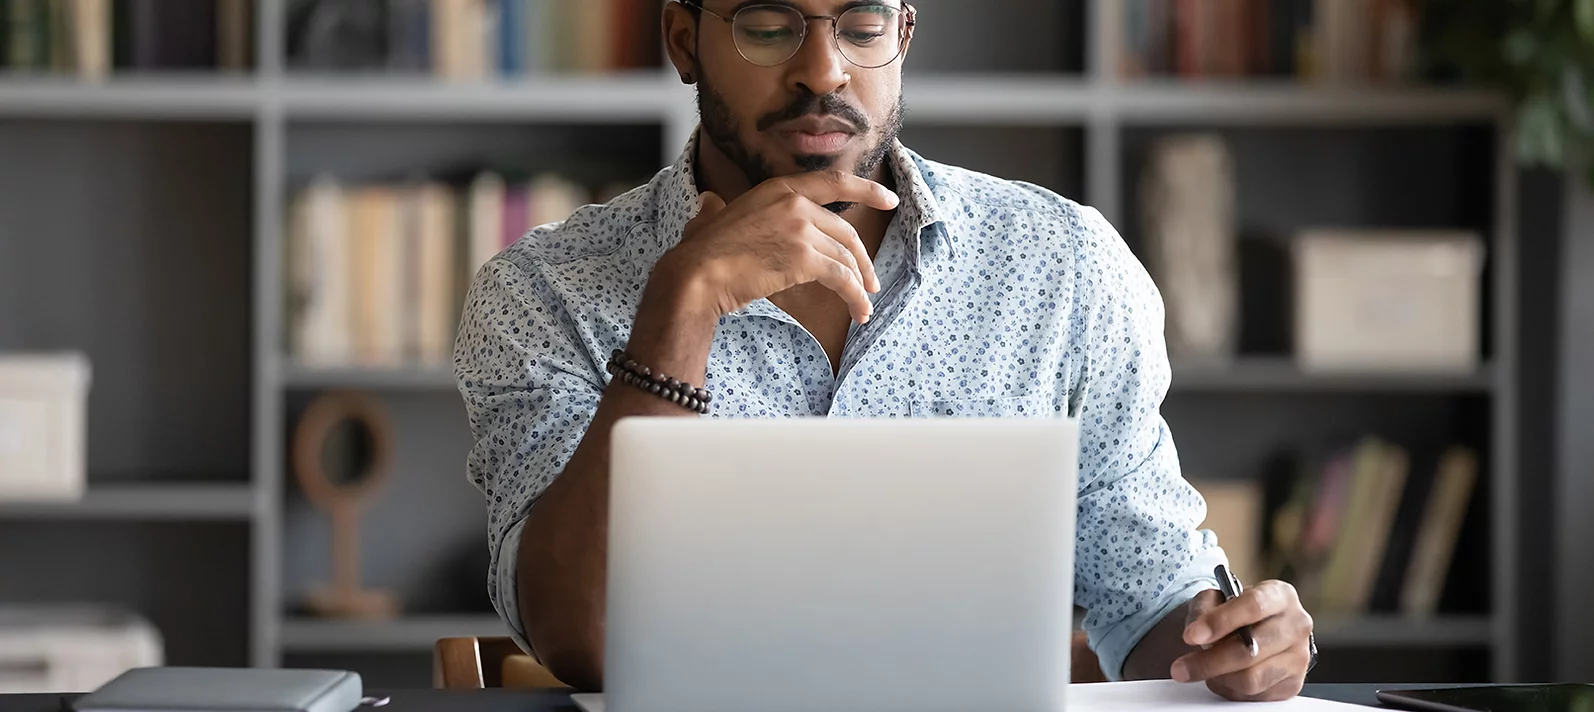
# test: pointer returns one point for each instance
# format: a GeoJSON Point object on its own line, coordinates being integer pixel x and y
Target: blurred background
{"type": "Point", "coordinates": [234, 236]}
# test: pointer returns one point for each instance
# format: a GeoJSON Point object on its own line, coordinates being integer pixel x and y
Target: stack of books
{"type": "Point", "coordinates": [1337, 41]}
{"type": "Point", "coordinates": [475, 40]}
{"type": "Point", "coordinates": [91, 38]}
{"type": "Point", "coordinates": [376, 274]}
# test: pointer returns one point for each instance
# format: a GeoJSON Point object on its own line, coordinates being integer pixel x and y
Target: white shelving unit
{"type": "Point", "coordinates": [272, 101]}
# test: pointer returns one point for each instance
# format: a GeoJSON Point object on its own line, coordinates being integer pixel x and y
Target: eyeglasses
{"type": "Point", "coordinates": [869, 36]}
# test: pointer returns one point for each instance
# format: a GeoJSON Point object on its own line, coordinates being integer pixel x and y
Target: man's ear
{"type": "Point", "coordinates": [680, 39]}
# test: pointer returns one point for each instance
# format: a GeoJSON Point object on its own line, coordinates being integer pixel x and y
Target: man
{"type": "Point", "coordinates": [798, 261]}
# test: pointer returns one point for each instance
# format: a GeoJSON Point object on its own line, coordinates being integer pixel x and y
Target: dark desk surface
{"type": "Point", "coordinates": [524, 701]}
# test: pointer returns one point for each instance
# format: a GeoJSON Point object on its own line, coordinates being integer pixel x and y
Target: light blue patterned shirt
{"type": "Point", "coordinates": [999, 298]}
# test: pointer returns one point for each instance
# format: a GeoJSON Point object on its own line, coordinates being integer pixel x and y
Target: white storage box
{"type": "Point", "coordinates": [43, 416]}
{"type": "Point", "coordinates": [1387, 300]}
{"type": "Point", "coordinates": [71, 648]}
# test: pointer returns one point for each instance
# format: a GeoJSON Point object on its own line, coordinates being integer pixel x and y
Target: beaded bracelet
{"type": "Point", "coordinates": [638, 376]}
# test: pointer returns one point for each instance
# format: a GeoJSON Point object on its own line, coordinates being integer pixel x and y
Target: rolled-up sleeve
{"type": "Point", "coordinates": [1139, 552]}
{"type": "Point", "coordinates": [530, 392]}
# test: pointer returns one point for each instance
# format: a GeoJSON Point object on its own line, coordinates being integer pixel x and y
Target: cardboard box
{"type": "Point", "coordinates": [43, 416]}
{"type": "Point", "coordinates": [1388, 300]}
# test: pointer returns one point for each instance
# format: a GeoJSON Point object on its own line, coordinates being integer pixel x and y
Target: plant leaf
{"type": "Point", "coordinates": [1583, 11]}
{"type": "Point", "coordinates": [1519, 47]}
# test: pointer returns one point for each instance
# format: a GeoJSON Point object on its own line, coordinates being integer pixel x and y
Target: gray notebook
{"type": "Point", "coordinates": [172, 689]}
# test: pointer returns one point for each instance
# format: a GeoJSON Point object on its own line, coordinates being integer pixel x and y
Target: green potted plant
{"type": "Point", "coordinates": [1541, 52]}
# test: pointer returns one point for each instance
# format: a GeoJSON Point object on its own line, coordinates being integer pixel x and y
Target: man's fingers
{"type": "Point", "coordinates": [1290, 687]}
{"type": "Point", "coordinates": [1274, 636]}
{"type": "Point", "coordinates": [1264, 601]}
{"type": "Point", "coordinates": [1276, 678]}
{"type": "Point", "coordinates": [839, 252]}
{"type": "Point", "coordinates": [709, 204]}
{"type": "Point", "coordinates": [844, 235]}
{"type": "Point", "coordinates": [1203, 602]}
{"type": "Point", "coordinates": [825, 187]}
{"type": "Point", "coordinates": [843, 280]}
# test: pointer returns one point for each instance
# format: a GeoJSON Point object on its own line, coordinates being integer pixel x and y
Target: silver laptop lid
{"type": "Point", "coordinates": [884, 565]}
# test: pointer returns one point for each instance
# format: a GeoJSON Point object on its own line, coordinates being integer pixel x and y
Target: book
{"type": "Point", "coordinates": [1436, 536]}
{"type": "Point", "coordinates": [91, 25]}
{"type": "Point", "coordinates": [403, 312]}
{"type": "Point", "coordinates": [1403, 536]}
{"type": "Point", "coordinates": [438, 292]}
{"type": "Point", "coordinates": [464, 38]}
{"type": "Point", "coordinates": [319, 306]}
{"type": "Point", "coordinates": [589, 34]}
{"type": "Point", "coordinates": [446, 15]}
{"type": "Point", "coordinates": [5, 34]}
{"type": "Point", "coordinates": [511, 37]}
{"type": "Point", "coordinates": [517, 213]}
{"type": "Point", "coordinates": [1336, 593]}
{"type": "Point", "coordinates": [630, 23]}
{"type": "Point", "coordinates": [409, 35]}
{"type": "Point", "coordinates": [62, 37]}
{"type": "Point", "coordinates": [1234, 514]}
{"type": "Point", "coordinates": [1374, 539]}
{"type": "Point", "coordinates": [233, 39]}
{"type": "Point", "coordinates": [486, 211]}
{"type": "Point", "coordinates": [376, 264]}
{"type": "Point", "coordinates": [30, 35]}
{"type": "Point", "coordinates": [172, 34]}
{"type": "Point", "coordinates": [552, 199]}
{"type": "Point", "coordinates": [537, 36]}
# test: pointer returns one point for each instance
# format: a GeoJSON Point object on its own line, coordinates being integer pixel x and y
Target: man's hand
{"type": "Point", "coordinates": [1280, 626]}
{"type": "Point", "coordinates": [777, 236]}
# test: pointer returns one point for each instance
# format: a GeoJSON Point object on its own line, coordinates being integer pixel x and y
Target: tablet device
{"type": "Point", "coordinates": [1499, 698]}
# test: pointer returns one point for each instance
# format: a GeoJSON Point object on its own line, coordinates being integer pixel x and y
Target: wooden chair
{"type": "Point", "coordinates": [475, 663]}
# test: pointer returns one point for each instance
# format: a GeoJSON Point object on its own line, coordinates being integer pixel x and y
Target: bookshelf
{"type": "Point", "coordinates": [277, 126]}
{"type": "Point", "coordinates": [416, 633]}
{"type": "Point", "coordinates": [156, 501]}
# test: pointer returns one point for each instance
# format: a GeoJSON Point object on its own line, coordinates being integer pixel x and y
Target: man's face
{"type": "Point", "coordinates": [815, 111]}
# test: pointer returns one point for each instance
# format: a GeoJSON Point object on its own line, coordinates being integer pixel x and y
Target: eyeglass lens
{"type": "Point", "coordinates": [868, 35]}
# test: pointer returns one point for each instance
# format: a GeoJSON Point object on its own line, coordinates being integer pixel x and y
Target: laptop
{"type": "Point", "coordinates": [800, 565]}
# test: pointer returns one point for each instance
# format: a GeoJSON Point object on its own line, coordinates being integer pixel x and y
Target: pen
{"type": "Point", "coordinates": [1231, 590]}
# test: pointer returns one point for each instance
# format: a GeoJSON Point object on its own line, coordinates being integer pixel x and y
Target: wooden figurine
{"type": "Point", "coordinates": [343, 501]}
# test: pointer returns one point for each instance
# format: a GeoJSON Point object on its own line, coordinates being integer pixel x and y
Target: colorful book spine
{"type": "Point", "coordinates": [517, 213]}
{"type": "Point", "coordinates": [511, 37]}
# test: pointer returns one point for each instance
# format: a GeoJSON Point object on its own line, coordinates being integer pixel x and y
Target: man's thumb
{"type": "Point", "coordinates": [709, 203]}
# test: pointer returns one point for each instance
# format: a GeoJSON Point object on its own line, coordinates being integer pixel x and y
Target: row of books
{"type": "Point", "coordinates": [1365, 531]}
{"type": "Point", "coordinates": [1338, 41]}
{"type": "Point", "coordinates": [472, 40]}
{"type": "Point", "coordinates": [1372, 529]}
{"type": "Point", "coordinates": [377, 273]}
{"type": "Point", "coordinates": [91, 38]}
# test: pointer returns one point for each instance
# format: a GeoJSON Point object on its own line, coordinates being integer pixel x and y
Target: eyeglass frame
{"type": "Point", "coordinates": [909, 12]}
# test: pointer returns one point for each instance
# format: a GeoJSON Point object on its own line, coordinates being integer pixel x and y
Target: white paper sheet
{"type": "Point", "coordinates": [1163, 695]}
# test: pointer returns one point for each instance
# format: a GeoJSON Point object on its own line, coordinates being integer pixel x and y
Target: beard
{"type": "Point", "coordinates": [720, 128]}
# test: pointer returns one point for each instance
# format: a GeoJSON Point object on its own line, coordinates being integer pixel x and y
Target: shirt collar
{"type": "Point", "coordinates": [918, 210]}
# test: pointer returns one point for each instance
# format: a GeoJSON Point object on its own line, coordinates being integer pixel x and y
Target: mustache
{"type": "Point", "coordinates": [810, 103]}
